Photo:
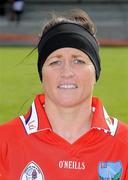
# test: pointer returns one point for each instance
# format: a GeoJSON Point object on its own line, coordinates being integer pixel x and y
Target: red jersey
{"type": "Point", "coordinates": [29, 149]}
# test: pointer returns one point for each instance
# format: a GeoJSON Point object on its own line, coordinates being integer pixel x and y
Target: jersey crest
{"type": "Point", "coordinates": [32, 172]}
{"type": "Point", "coordinates": [110, 170]}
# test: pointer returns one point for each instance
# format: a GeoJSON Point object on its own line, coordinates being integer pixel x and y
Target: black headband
{"type": "Point", "coordinates": [68, 35]}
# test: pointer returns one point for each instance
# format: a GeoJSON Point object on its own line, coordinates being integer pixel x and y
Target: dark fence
{"type": "Point", "coordinates": [77, 1]}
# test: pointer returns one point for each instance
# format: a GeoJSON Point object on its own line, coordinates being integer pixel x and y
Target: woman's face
{"type": "Point", "coordinates": [68, 77]}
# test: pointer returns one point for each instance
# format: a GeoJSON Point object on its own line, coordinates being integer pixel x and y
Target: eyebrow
{"type": "Point", "coordinates": [55, 56]}
{"type": "Point", "coordinates": [77, 55]}
{"type": "Point", "coordinates": [59, 56]}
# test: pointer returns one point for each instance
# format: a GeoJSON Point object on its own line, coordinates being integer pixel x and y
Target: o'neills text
{"type": "Point", "coordinates": [72, 165]}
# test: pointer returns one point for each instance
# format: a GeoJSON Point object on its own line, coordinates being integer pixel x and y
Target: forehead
{"type": "Point", "coordinates": [67, 52]}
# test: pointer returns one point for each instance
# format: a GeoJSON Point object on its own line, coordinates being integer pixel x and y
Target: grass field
{"type": "Point", "coordinates": [19, 81]}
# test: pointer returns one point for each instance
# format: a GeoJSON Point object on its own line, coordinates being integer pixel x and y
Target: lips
{"type": "Point", "coordinates": [67, 86]}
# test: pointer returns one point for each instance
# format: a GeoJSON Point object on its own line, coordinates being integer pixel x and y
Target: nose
{"type": "Point", "coordinates": [67, 71]}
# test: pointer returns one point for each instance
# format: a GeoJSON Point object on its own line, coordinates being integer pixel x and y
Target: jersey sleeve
{"type": "Point", "coordinates": [3, 154]}
{"type": "Point", "coordinates": [2, 159]}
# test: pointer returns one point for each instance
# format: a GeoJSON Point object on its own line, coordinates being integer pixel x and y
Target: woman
{"type": "Point", "coordinates": [67, 134]}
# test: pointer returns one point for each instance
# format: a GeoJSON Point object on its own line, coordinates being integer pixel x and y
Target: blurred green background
{"type": "Point", "coordinates": [19, 82]}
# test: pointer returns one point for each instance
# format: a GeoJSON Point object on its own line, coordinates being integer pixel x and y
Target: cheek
{"type": "Point", "coordinates": [92, 74]}
{"type": "Point", "coordinates": [87, 77]}
{"type": "Point", "coordinates": [45, 74]}
{"type": "Point", "coordinates": [49, 77]}
{"type": "Point", "coordinates": [46, 80]}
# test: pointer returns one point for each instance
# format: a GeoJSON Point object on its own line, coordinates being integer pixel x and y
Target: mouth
{"type": "Point", "coordinates": [67, 86]}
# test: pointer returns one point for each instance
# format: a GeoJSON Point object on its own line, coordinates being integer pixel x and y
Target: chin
{"type": "Point", "coordinates": [68, 102]}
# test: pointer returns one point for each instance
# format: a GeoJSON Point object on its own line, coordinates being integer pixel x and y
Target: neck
{"type": "Point", "coordinates": [72, 122]}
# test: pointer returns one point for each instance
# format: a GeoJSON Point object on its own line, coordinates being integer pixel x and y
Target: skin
{"type": "Point", "coordinates": [68, 80]}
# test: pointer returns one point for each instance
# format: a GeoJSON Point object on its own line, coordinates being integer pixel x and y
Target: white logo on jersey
{"type": "Point", "coordinates": [32, 172]}
{"type": "Point", "coordinates": [72, 165]}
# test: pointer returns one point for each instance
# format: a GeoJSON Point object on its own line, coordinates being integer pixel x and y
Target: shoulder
{"type": "Point", "coordinates": [122, 133]}
{"type": "Point", "coordinates": [11, 129]}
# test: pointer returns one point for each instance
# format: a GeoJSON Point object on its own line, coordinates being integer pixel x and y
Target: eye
{"type": "Point", "coordinates": [79, 61]}
{"type": "Point", "coordinates": [56, 62]}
